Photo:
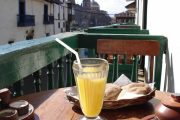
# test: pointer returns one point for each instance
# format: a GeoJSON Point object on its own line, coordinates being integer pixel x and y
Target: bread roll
{"type": "Point", "coordinates": [135, 88]}
{"type": "Point", "coordinates": [112, 91]}
{"type": "Point", "coordinates": [131, 85]}
{"type": "Point", "coordinates": [138, 88]}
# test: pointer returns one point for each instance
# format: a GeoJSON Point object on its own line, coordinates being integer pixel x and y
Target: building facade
{"type": "Point", "coordinates": [127, 16]}
{"type": "Point", "coordinates": [131, 7]}
{"type": "Point", "coordinates": [30, 19]}
{"type": "Point", "coordinates": [86, 4]}
{"type": "Point", "coordinates": [88, 14]}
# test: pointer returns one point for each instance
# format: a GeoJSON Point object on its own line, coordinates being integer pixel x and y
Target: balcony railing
{"type": "Point", "coordinates": [25, 20]}
{"type": "Point", "coordinates": [123, 29]}
{"type": "Point", "coordinates": [54, 1]}
{"type": "Point", "coordinates": [48, 19]}
{"type": "Point", "coordinates": [41, 60]}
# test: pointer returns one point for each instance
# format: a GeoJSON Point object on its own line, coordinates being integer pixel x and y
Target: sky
{"type": "Point", "coordinates": [111, 6]}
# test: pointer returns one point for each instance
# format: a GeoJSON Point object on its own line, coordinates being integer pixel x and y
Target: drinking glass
{"type": "Point", "coordinates": [91, 80]}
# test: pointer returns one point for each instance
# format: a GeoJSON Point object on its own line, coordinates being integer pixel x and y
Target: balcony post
{"type": "Point", "coordinates": [50, 75]}
{"type": "Point", "coordinates": [37, 81]}
{"type": "Point", "coordinates": [60, 72]}
{"type": "Point", "coordinates": [17, 89]}
{"type": "Point", "coordinates": [69, 69]}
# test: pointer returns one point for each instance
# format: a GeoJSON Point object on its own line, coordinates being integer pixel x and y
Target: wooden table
{"type": "Point", "coordinates": [53, 105]}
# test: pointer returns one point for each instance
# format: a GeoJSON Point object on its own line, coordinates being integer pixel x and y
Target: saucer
{"type": "Point", "coordinates": [29, 115]}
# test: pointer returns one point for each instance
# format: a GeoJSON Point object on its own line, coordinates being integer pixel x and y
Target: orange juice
{"type": "Point", "coordinates": [91, 94]}
{"type": "Point", "coordinates": [91, 78]}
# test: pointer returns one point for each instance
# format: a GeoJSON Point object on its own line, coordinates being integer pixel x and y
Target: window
{"type": "Point", "coordinates": [45, 9]}
{"type": "Point", "coordinates": [59, 24]}
{"type": "Point", "coordinates": [58, 16]}
{"type": "Point", "coordinates": [22, 18]}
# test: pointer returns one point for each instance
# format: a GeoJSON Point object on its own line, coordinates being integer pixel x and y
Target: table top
{"type": "Point", "coordinates": [53, 105]}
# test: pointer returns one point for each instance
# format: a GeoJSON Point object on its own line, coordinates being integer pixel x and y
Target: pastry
{"type": "Point", "coordinates": [112, 91]}
{"type": "Point", "coordinates": [134, 90]}
{"type": "Point", "coordinates": [131, 85]}
{"type": "Point", "coordinates": [138, 88]}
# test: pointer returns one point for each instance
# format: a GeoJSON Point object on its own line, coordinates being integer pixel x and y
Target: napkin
{"type": "Point", "coordinates": [122, 81]}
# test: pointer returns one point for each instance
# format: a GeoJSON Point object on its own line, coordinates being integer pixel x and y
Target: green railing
{"type": "Point", "coordinates": [25, 58]}
{"type": "Point", "coordinates": [117, 31]}
{"type": "Point", "coordinates": [132, 26]}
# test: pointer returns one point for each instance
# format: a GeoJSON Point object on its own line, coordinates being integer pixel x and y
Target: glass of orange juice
{"type": "Point", "coordinates": [91, 80]}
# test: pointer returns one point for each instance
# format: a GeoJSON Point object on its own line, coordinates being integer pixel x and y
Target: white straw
{"type": "Point", "coordinates": [70, 49]}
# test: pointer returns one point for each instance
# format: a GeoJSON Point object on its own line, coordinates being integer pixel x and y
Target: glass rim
{"type": "Point", "coordinates": [104, 61]}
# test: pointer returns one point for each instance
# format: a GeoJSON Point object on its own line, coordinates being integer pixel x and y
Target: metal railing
{"type": "Point", "coordinates": [54, 1]}
{"type": "Point", "coordinates": [48, 19]}
{"type": "Point", "coordinates": [25, 20]}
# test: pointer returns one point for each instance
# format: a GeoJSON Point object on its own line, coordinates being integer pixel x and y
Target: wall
{"type": "Point", "coordinates": [164, 19]}
{"type": "Point", "coordinates": [139, 12]}
{"type": "Point", "coordinates": [62, 20]}
{"type": "Point", "coordinates": [8, 20]}
{"type": "Point", "coordinates": [36, 7]}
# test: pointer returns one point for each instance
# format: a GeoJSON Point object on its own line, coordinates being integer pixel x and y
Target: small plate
{"type": "Point", "coordinates": [72, 96]}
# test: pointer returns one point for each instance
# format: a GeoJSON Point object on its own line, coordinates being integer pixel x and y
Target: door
{"type": "Point", "coordinates": [46, 19]}
{"type": "Point", "coordinates": [22, 10]}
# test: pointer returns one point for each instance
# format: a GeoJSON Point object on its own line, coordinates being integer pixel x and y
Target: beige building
{"type": "Point", "coordinates": [28, 19]}
{"type": "Point", "coordinates": [125, 17]}
{"type": "Point", "coordinates": [131, 7]}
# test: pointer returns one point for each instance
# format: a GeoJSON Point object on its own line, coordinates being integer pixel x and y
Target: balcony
{"type": "Point", "coordinates": [54, 1]}
{"type": "Point", "coordinates": [25, 20]}
{"type": "Point", "coordinates": [44, 60]}
{"type": "Point", "coordinates": [48, 19]}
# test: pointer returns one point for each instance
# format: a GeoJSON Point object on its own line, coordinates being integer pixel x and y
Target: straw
{"type": "Point", "coordinates": [70, 49]}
